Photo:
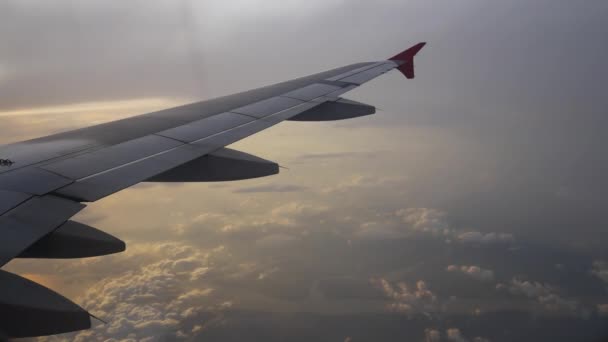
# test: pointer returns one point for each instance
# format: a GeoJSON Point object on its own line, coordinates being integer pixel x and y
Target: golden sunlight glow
{"type": "Point", "coordinates": [131, 106]}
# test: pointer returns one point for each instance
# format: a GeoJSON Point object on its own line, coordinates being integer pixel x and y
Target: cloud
{"type": "Point", "coordinates": [158, 299]}
{"type": "Point", "coordinates": [267, 220]}
{"type": "Point", "coordinates": [600, 270]}
{"type": "Point", "coordinates": [275, 241]}
{"type": "Point", "coordinates": [475, 272]}
{"type": "Point", "coordinates": [356, 183]}
{"type": "Point", "coordinates": [411, 221]}
{"type": "Point", "coordinates": [403, 299]}
{"type": "Point", "coordinates": [425, 220]}
{"type": "Point", "coordinates": [547, 296]}
{"type": "Point", "coordinates": [154, 300]}
{"type": "Point", "coordinates": [432, 335]}
{"type": "Point", "coordinates": [602, 310]}
{"type": "Point", "coordinates": [338, 155]}
{"type": "Point", "coordinates": [378, 231]}
{"type": "Point", "coordinates": [481, 339]}
{"type": "Point", "coordinates": [271, 188]}
{"type": "Point", "coordinates": [435, 222]}
{"type": "Point", "coordinates": [454, 334]}
{"type": "Point", "coordinates": [451, 335]}
{"type": "Point", "coordinates": [479, 238]}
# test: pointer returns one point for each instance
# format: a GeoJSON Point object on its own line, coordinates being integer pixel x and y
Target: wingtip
{"type": "Point", "coordinates": [409, 53]}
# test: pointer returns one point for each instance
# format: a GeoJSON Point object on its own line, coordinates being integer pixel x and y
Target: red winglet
{"type": "Point", "coordinates": [407, 57]}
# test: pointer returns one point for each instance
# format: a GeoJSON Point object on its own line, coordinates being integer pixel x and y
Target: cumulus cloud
{"type": "Point", "coordinates": [155, 300]}
{"type": "Point", "coordinates": [426, 220]}
{"type": "Point", "coordinates": [475, 272]}
{"type": "Point", "coordinates": [411, 301]}
{"type": "Point", "coordinates": [420, 221]}
{"type": "Point", "coordinates": [435, 222]}
{"type": "Point", "coordinates": [268, 221]}
{"type": "Point", "coordinates": [172, 294]}
{"type": "Point", "coordinates": [410, 221]}
{"type": "Point", "coordinates": [547, 296]}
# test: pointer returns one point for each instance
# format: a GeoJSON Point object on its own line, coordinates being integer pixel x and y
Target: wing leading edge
{"type": "Point", "coordinates": [49, 178]}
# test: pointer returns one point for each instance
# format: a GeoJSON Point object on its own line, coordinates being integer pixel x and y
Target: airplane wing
{"type": "Point", "coordinates": [45, 181]}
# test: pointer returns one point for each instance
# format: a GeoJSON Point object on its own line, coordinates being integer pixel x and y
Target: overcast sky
{"type": "Point", "coordinates": [471, 207]}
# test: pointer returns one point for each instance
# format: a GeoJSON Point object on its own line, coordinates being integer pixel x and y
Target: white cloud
{"type": "Point", "coordinates": [475, 272]}
{"type": "Point", "coordinates": [426, 220]}
{"type": "Point", "coordinates": [158, 299]}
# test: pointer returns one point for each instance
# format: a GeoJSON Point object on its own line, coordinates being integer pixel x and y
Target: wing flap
{"type": "Point", "coordinates": [206, 127]}
{"type": "Point", "coordinates": [267, 107]}
{"type": "Point", "coordinates": [100, 185]}
{"type": "Point", "coordinates": [312, 91]}
{"type": "Point", "coordinates": [11, 199]}
{"type": "Point", "coordinates": [107, 158]}
{"type": "Point", "coordinates": [32, 180]}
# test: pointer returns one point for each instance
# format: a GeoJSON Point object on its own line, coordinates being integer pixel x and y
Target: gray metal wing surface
{"type": "Point", "coordinates": [45, 181]}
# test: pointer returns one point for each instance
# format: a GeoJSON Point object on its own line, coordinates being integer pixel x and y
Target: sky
{"type": "Point", "coordinates": [469, 208]}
